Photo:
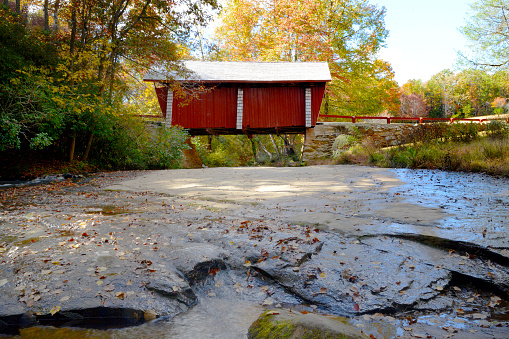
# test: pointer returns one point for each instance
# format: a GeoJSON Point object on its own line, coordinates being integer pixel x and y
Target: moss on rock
{"type": "Point", "coordinates": [285, 324]}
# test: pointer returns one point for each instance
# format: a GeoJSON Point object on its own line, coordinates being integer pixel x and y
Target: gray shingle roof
{"type": "Point", "coordinates": [260, 72]}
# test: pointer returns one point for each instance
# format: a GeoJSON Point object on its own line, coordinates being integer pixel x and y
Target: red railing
{"type": "Point", "coordinates": [420, 120]}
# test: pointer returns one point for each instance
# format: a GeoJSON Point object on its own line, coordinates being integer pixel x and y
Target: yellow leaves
{"type": "Point", "coordinates": [55, 310]}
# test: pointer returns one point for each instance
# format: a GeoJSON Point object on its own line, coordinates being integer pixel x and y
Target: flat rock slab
{"type": "Point", "coordinates": [348, 240]}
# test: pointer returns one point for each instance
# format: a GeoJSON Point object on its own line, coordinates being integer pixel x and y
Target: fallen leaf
{"type": "Point", "coordinates": [3, 282]}
{"type": "Point", "coordinates": [99, 283]}
{"type": "Point", "coordinates": [272, 312]}
{"type": "Point", "coordinates": [479, 316]}
{"type": "Point", "coordinates": [119, 295]}
{"type": "Point", "coordinates": [150, 315]}
{"type": "Point", "coordinates": [65, 298]}
{"type": "Point", "coordinates": [55, 310]}
{"type": "Point", "coordinates": [109, 288]}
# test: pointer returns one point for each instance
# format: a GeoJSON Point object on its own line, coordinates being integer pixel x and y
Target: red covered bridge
{"type": "Point", "coordinates": [244, 97]}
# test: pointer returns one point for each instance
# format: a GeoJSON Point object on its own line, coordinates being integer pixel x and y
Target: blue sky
{"type": "Point", "coordinates": [424, 36]}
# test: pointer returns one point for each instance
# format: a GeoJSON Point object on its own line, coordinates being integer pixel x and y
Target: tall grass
{"type": "Point", "coordinates": [455, 148]}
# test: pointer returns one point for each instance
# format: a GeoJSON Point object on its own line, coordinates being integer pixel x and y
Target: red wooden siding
{"type": "Point", "coordinates": [162, 96]}
{"type": "Point", "coordinates": [317, 93]}
{"type": "Point", "coordinates": [213, 109]}
{"type": "Point", "coordinates": [266, 107]}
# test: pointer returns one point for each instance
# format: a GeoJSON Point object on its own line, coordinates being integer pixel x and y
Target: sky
{"type": "Point", "coordinates": [424, 36]}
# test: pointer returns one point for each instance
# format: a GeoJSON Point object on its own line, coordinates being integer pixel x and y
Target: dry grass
{"type": "Point", "coordinates": [486, 154]}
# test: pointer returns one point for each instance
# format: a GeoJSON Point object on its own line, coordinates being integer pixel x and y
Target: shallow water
{"type": "Point", "coordinates": [478, 204]}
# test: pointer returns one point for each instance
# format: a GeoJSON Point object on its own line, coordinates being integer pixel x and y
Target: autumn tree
{"type": "Point", "coordinates": [469, 93]}
{"type": "Point", "coordinates": [345, 33]}
{"type": "Point", "coordinates": [413, 106]}
{"type": "Point", "coordinates": [81, 92]}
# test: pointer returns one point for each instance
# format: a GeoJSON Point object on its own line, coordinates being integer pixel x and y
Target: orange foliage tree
{"type": "Point", "coordinates": [345, 33]}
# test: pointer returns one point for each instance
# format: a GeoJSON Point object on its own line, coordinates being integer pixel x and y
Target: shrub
{"type": "Point", "coordinates": [342, 143]}
{"type": "Point", "coordinates": [462, 132]}
{"type": "Point", "coordinates": [497, 129]}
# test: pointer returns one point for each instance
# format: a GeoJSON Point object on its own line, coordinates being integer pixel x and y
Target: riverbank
{"type": "Point", "coordinates": [484, 154]}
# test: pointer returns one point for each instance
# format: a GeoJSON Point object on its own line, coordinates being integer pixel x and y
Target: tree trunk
{"type": "Point", "coordinates": [208, 145]}
{"type": "Point", "coordinates": [24, 14]}
{"type": "Point", "coordinates": [46, 15]}
{"type": "Point", "coordinates": [89, 146]}
{"type": "Point", "coordinates": [18, 7]}
{"type": "Point", "coordinates": [304, 137]}
{"type": "Point", "coordinates": [55, 16]}
{"type": "Point", "coordinates": [275, 147]}
{"type": "Point", "coordinates": [263, 148]}
{"type": "Point", "coordinates": [73, 147]}
{"type": "Point", "coordinates": [253, 146]}
{"type": "Point", "coordinates": [73, 30]}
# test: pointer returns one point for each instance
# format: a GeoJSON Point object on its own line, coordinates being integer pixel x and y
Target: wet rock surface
{"type": "Point", "coordinates": [412, 249]}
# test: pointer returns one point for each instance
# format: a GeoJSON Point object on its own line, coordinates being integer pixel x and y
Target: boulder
{"type": "Point", "coordinates": [282, 323]}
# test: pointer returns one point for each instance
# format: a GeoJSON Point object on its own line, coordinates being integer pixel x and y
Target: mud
{"type": "Point", "coordinates": [396, 251]}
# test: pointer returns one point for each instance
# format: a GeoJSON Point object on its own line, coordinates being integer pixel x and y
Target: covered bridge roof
{"type": "Point", "coordinates": [246, 72]}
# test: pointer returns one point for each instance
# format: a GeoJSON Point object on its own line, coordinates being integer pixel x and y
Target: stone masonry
{"type": "Point", "coordinates": [319, 140]}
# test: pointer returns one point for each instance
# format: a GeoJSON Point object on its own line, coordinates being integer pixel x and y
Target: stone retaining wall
{"type": "Point", "coordinates": [319, 140]}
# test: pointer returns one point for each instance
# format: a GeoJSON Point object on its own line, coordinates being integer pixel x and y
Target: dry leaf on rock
{"type": "Point", "coordinates": [109, 288]}
{"type": "Point", "coordinates": [55, 310]}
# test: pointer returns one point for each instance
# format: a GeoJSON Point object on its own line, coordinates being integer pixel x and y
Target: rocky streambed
{"type": "Point", "coordinates": [202, 253]}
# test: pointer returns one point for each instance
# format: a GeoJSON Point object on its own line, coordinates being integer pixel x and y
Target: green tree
{"type": "Point", "coordinates": [69, 92]}
{"type": "Point", "coordinates": [487, 31]}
